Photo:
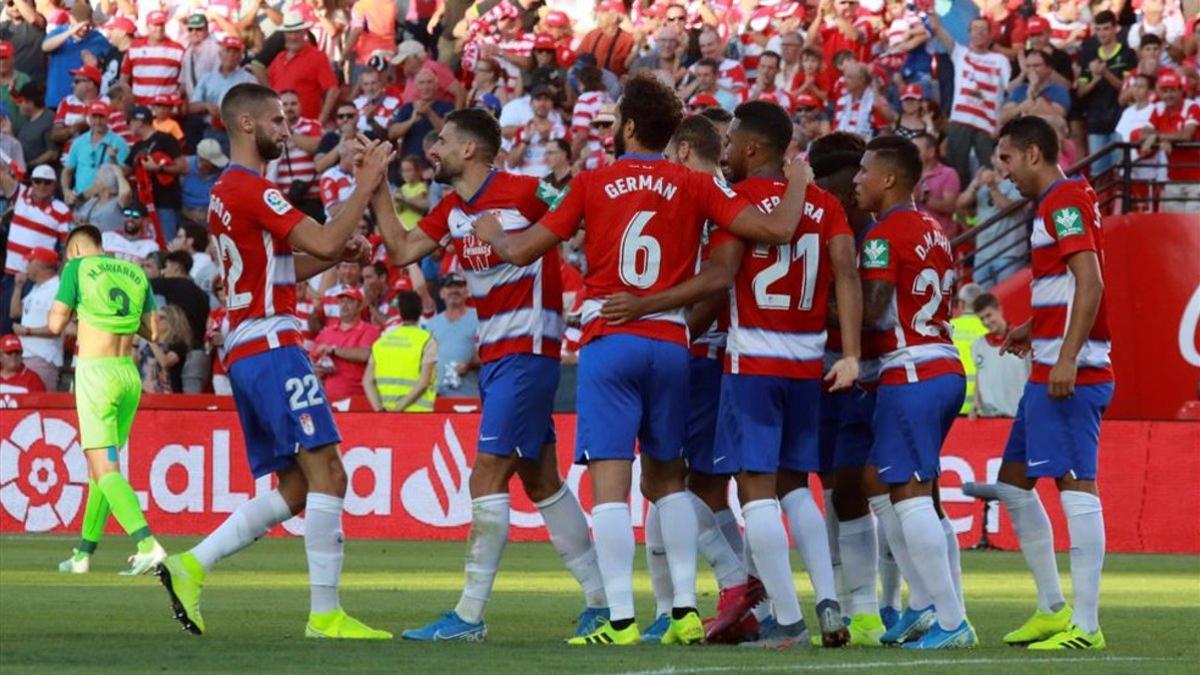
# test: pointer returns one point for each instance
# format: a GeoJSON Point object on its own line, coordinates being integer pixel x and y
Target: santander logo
{"type": "Point", "coordinates": [1189, 326]}
{"type": "Point", "coordinates": [441, 498]}
{"type": "Point", "coordinates": [43, 473]}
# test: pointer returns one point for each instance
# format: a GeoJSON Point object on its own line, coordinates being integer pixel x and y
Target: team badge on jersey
{"type": "Point", "coordinates": [724, 187]}
{"type": "Point", "coordinates": [275, 201]}
{"type": "Point", "coordinates": [306, 424]}
{"type": "Point", "coordinates": [1068, 222]}
{"type": "Point", "coordinates": [875, 254]}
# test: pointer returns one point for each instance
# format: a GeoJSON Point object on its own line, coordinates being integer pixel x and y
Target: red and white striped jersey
{"type": "Point", "coordinates": [908, 249]}
{"type": "Point", "coordinates": [779, 302]}
{"type": "Point", "coordinates": [331, 303]}
{"type": "Point", "coordinates": [519, 308]}
{"type": "Point", "coordinates": [1067, 222]}
{"type": "Point", "coordinates": [250, 220]}
{"type": "Point", "coordinates": [858, 116]}
{"type": "Point", "coordinates": [33, 226]}
{"type": "Point", "coordinates": [379, 109]}
{"type": "Point", "coordinates": [643, 219]}
{"type": "Point", "coordinates": [153, 69]}
{"type": "Point", "coordinates": [979, 82]}
{"type": "Point", "coordinates": [1061, 32]}
{"type": "Point", "coordinates": [586, 107]}
{"type": "Point", "coordinates": [732, 76]}
{"type": "Point", "coordinates": [336, 186]}
{"type": "Point", "coordinates": [71, 111]}
{"type": "Point", "coordinates": [297, 164]}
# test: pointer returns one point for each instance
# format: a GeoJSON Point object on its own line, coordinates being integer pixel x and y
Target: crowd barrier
{"type": "Point", "coordinates": [409, 476]}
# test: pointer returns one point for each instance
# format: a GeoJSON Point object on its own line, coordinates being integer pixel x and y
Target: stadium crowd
{"type": "Point", "coordinates": [109, 117]}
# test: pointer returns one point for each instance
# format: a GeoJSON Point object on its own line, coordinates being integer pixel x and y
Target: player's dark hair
{"type": "Point", "coordinates": [709, 63]}
{"type": "Point", "coordinates": [772, 55]}
{"type": "Point", "coordinates": [89, 232]}
{"type": "Point", "coordinates": [380, 268]}
{"type": "Point", "coordinates": [246, 97]}
{"type": "Point", "coordinates": [562, 144]}
{"type": "Point", "coordinates": [480, 126]}
{"type": "Point", "coordinates": [199, 236]}
{"type": "Point", "coordinates": [901, 153]}
{"type": "Point", "coordinates": [985, 301]}
{"type": "Point", "coordinates": [701, 135]}
{"type": "Point", "coordinates": [717, 115]}
{"type": "Point", "coordinates": [181, 258]}
{"type": "Point", "coordinates": [654, 109]}
{"type": "Point", "coordinates": [409, 305]}
{"type": "Point", "coordinates": [1030, 130]}
{"type": "Point", "coordinates": [768, 121]}
{"type": "Point", "coordinates": [1150, 39]}
{"type": "Point", "coordinates": [1105, 18]}
{"type": "Point", "coordinates": [835, 151]}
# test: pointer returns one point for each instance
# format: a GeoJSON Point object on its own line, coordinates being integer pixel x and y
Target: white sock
{"type": "Point", "coordinates": [1085, 523]}
{"type": "Point", "coordinates": [856, 538]}
{"type": "Point", "coordinates": [656, 563]}
{"type": "Point", "coordinates": [889, 523]}
{"type": "Point", "coordinates": [727, 565]}
{"type": "Point", "coordinates": [485, 546]}
{"type": "Point", "coordinates": [927, 545]}
{"type": "Point", "coordinates": [243, 527]}
{"type": "Point", "coordinates": [767, 541]}
{"type": "Point", "coordinates": [763, 609]}
{"type": "Point", "coordinates": [954, 557]}
{"type": "Point", "coordinates": [612, 530]}
{"type": "Point", "coordinates": [323, 544]}
{"type": "Point", "coordinates": [677, 519]}
{"type": "Point", "coordinates": [728, 524]}
{"type": "Point", "coordinates": [835, 553]}
{"type": "Point", "coordinates": [1037, 542]}
{"type": "Point", "coordinates": [569, 535]}
{"type": "Point", "coordinates": [812, 541]}
{"type": "Point", "coordinates": [890, 580]}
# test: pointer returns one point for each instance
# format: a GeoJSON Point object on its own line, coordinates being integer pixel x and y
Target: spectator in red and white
{"type": "Point", "coordinates": [372, 29]}
{"type": "Point", "coordinates": [71, 119]}
{"type": "Point", "coordinates": [1154, 19]}
{"type": "Point", "coordinates": [1067, 30]}
{"type": "Point", "coordinates": [595, 155]}
{"type": "Point", "coordinates": [937, 192]}
{"type": "Point", "coordinates": [791, 50]}
{"type": "Point", "coordinates": [838, 27]}
{"type": "Point", "coordinates": [412, 58]}
{"type": "Point", "coordinates": [42, 349]}
{"type": "Point", "coordinates": [1176, 120]}
{"type": "Point", "coordinates": [764, 88]}
{"type": "Point", "coordinates": [814, 79]}
{"type": "Point", "coordinates": [1149, 63]}
{"type": "Point", "coordinates": [206, 98]}
{"type": "Point", "coordinates": [703, 101]}
{"type": "Point", "coordinates": [338, 181]}
{"type": "Point", "coordinates": [754, 38]}
{"type": "Point", "coordinates": [589, 103]}
{"type": "Point", "coordinates": [297, 165]}
{"type": "Point", "coordinates": [488, 88]}
{"type": "Point", "coordinates": [120, 100]}
{"type": "Point", "coordinates": [15, 377]}
{"type": "Point", "coordinates": [862, 109]}
{"type": "Point", "coordinates": [153, 63]}
{"type": "Point", "coordinates": [377, 291]}
{"type": "Point", "coordinates": [703, 87]}
{"type": "Point", "coordinates": [665, 60]}
{"type": "Point", "coordinates": [134, 241]}
{"type": "Point", "coordinates": [526, 152]}
{"type": "Point", "coordinates": [980, 76]}
{"type": "Point", "coordinates": [201, 57]}
{"type": "Point", "coordinates": [347, 276]}
{"type": "Point", "coordinates": [1134, 118]}
{"type": "Point", "coordinates": [343, 348]}
{"type": "Point", "coordinates": [375, 106]}
{"type": "Point", "coordinates": [558, 25]}
{"type": "Point", "coordinates": [1037, 30]}
{"type": "Point", "coordinates": [38, 219]}
{"type": "Point", "coordinates": [305, 70]}
{"type": "Point", "coordinates": [509, 43]}
{"type": "Point", "coordinates": [731, 76]}
{"type": "Point", "coordinates": [612, 46]}
{"type": "Point", "coordinates": [915, 117]}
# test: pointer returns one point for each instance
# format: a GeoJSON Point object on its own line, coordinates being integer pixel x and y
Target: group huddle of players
{"type": "Point", "coordinates": [793, 320]}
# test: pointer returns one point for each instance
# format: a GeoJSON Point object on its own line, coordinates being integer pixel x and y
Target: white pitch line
{"type": "Point", "coordinates": [867, 665]}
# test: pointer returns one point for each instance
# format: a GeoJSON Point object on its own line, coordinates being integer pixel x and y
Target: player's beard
{"type": "Point", "coordinates": [619, 142]}
{"type": "Point", "coordinates": [268, 148]}
{"type": "Point", "coordinates": [443, 174]}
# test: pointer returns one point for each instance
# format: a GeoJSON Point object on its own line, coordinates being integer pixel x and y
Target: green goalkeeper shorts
{"type": "Point", "coordinates": [107, 391]}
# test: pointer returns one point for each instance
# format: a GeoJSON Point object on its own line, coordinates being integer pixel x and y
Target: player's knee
{"type": "Point", "coordinates": [540, 487]}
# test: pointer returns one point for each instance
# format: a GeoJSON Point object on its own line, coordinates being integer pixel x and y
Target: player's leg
{"type": "Point", "coordinates": [1075, 423]}
{"type": "Point", "coordinates": [660, 576]}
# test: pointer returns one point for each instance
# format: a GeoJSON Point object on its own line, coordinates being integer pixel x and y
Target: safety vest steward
{"type": "Point", "coordinates": [397, 354]}
{"type": "Point", "coordinates": [965, 330]}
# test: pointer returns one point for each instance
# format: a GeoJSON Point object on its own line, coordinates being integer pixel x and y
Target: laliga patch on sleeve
{"type": "Point", "coordinates": [1068, 222]}
{"type": "Point", "coordinates": [724, 187]}
{"type": "Point", "coordinates": [275, 201]}
{"type": "Point", "coordinates": [548, 195]}
{"type": "Point", "coordinates": [875, 254]}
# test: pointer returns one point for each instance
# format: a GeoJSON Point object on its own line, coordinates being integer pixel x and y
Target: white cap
{"type": "Point", "coordinates": [209, 149]}
{"type": "Point", "coordinates": [407, 50]}
{"type": "Point", "coordinates": [293, 21]}
{"type": "Point", "coordinates": [44, 172]}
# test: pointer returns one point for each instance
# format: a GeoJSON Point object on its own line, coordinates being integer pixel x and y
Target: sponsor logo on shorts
{"type": "Point", "coordinates": [275, 201]}
{"type": "Point", "coordinates": [875, 254]}
{"type": "Point", "coordinates": [1068, 222]}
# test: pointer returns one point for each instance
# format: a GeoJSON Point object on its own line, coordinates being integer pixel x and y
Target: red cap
{"type": "Point", "coordinates": [10, 343]}
{"type": "Point", "coordinates": [611, 6]}
{"type": "Point", "coordinates": [1169, 79]}
{"type": "Point", "coordinates": [90, 72]}
{"type": "Point", "coordinates": [789, 10]}
{"type": "Point", "coordinates": [557, 19]}
{"type": "Point", "coordinates": [760, 19]}
{"type": "Point", "coordinates": [156, 18]}
{"type": "Point", "coordinates": [1036, 26]}
{"type": "Point", "coordinates": [43, 255]}
{"type": "Point", "coordinates": [544, 41]}
{"type": "Point", "coordinates": [351, 293]}
{"type": "Point", "coordinates": [98, 107]}
{"type": "Point", "coordinates": [404, 283]}
{"type": "Point", "coordinates": [6, 51]}
{"type": "Point", "coordinates": [807, 101]}
{"type": "Point", "coordinates": [912, 91]}
{"type": "Point", "coordinates": [232, 42]}
{"type": "Point", "coordinates": [704, 101]}
{"type": "Point", "coordinates": [122, 24]}
{"type": "Point", "coordinates": [161, 99]}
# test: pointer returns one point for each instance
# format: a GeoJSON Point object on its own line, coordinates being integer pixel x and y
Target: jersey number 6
{"type": "Point", "coordinates": [637, 247]}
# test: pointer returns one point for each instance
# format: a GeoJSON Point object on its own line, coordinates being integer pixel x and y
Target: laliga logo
{"type": "Point", "coordinates": [42, 473]}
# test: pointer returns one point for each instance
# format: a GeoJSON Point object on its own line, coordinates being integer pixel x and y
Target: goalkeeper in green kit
{"type": "Point", "coordinates": [113, 301]}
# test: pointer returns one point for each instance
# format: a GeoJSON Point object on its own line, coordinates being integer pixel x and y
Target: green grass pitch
{"type": "Point", "coordinates": [255, 605]}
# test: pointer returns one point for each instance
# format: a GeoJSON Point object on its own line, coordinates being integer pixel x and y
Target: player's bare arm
{"type": "Point", "coordinates": [780, 225]}
{"type": "Point", "coordinates": [877, 295]}
{"type": "Point", "coordinates": [403, 247]}
{"type": "Point", "coordinates": [1089, 289]}
{"type": "Point", "coordinates": [521, 248]}
{"type": "Point", "coordinates": [1019, 340]}
{"type": "Point", "coordinates": [848, 292]}
{"type": "Point", "coordinates": [716, 276]}
{"type": "Point", "coordinates": [60, 316]}
{"type": "Point", "coordinates": [704, 314]}
{"type": "Point", "coordinates": [328, 241]}
{"type": "Point", "coordinates": [148, 329]}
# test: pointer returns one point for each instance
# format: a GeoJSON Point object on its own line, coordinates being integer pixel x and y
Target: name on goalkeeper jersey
{"type": "Point", "coordinates": [653, 184]}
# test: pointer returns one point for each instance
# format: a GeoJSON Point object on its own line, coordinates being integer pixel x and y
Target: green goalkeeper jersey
{"type": "Point", "coordinates": [107, 293]}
